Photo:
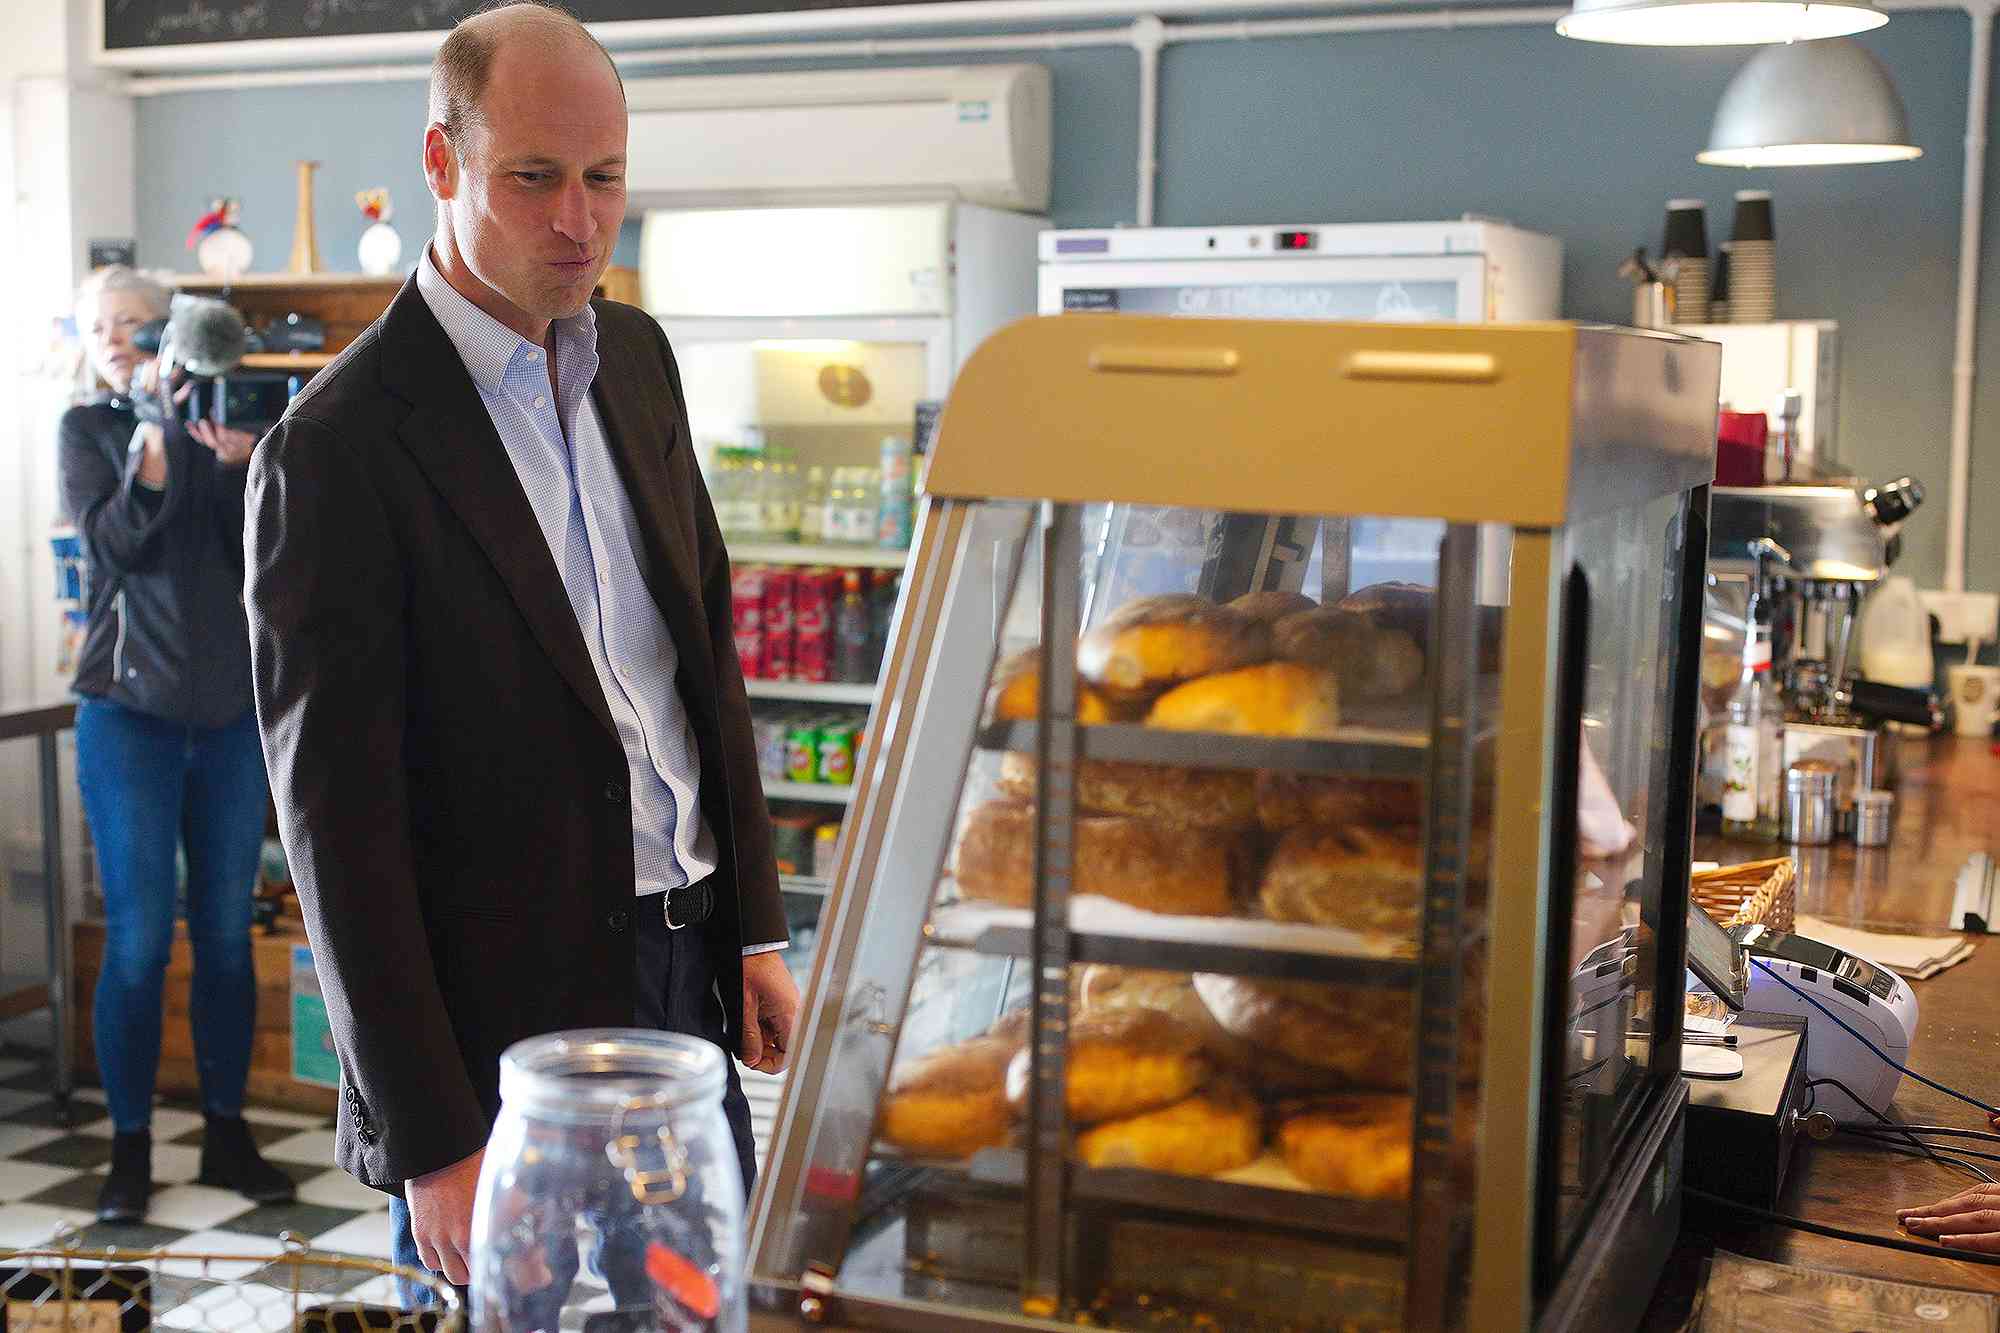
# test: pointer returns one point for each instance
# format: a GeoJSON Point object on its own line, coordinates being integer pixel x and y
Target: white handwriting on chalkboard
{"type": "Point", "coordinates": [197, 17]}
{"type": "Point", "coordinates": [319, 13]}
{"type": "Point", "coordinates": [250, 18]}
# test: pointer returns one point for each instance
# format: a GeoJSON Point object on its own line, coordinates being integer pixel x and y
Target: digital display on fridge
{"type": "Point", "coordinates": [1398, 301]}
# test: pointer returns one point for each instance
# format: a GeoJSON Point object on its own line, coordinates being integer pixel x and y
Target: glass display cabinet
{"type": "Point", "coordinates": [1217, 943]}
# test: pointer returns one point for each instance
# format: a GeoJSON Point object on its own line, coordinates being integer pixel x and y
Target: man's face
{"type": "Point", "coordinates": [537, 192]}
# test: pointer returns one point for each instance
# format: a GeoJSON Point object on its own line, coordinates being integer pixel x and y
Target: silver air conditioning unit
{"type": "Point", "coordinates": [978, 133]}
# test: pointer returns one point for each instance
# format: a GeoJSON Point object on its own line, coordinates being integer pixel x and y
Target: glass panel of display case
{"type": "Point", "coordinates": [1257, 825]}
{"type": "Point", "coordinates": [1629, 561]}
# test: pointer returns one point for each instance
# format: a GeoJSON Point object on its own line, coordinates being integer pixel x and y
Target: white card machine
{"type": "Point", "coordinates": [1866, 996]}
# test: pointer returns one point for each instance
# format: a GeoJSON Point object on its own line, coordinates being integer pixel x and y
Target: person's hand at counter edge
{"type": "Point", "coordinates": [441, 1217]}
{"type": "Point", "coordinates": [1968, 1220]}
{"type": "Point", "coordinates": [770, 1008]}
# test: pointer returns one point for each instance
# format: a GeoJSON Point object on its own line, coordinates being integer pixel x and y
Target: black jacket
{"type": "Point", "coordinates": [449, 780]}
{"type": "Point", "coordinates": [167, 635]}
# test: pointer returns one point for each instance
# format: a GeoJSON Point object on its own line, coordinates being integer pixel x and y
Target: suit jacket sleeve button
{"type": "Point", "coordinates": [616, 920]}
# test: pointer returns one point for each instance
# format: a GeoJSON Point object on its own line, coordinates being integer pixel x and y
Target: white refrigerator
{"type": "Point", "coordinates": [1470, 271]}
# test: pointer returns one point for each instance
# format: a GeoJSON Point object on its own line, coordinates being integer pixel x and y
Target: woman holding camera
{"type": "Point", "coordinates": [166, 736]}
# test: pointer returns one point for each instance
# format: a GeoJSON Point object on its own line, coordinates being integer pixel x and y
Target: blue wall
{"type": "Point", "coordinates": [1582, 141]}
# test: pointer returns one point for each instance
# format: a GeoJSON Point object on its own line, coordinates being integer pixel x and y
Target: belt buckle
{"type": "Point", "coordinates": [690, 890]}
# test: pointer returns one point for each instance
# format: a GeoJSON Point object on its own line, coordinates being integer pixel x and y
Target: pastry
{"type": "Point", "coordinates": [953, 1102]}
{"type": "Point", "coordinates": [1275, 699]}
{"type": "Point", "coordinates": [1272, 606]}
{"type": "Point", "coordinates": [1217, 1130]}
{"type": "Point", "coordinates": [1106, 986]}
{"type": "Point", "coordinates": [1287, 800]}
{"type": "Point", "coordinates": [1365, 1034]}
{"type": "Point", "coordinates": [1019, 695]}
{"type": "Point", "coordinates": [1356, 1144]}
{"type": "Point", "coordinates": [1159, 867]}
{"type": "Point", "coordinates": [1372, 661]}
{"type": "Point", "coordinates": [1195, 797]}
{"type": "Point", "coordinates": [1348, 877]}
{"type": "Point", "coordinates": [1120, 1062]}
{"type": "Point", "coordinates": [1407, 607]}
{"type": "Point", "coordinates": [1155, 643]}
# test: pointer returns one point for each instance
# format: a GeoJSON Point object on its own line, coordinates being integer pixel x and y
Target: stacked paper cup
{"type": "Point", "coordinates": [1686, 245]}
{"type": "Point", "coordinates": [1753, 277]}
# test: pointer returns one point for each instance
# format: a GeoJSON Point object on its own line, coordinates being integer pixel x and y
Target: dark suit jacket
{"type": "Point", "coordinates": [449, 784]}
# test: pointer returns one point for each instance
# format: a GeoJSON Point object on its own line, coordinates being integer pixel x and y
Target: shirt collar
{"type": "Point", "coordinates": [488, 347]}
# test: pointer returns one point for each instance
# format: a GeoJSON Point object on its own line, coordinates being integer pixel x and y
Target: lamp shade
{"type": "Point", "coordinates": [1810, 104]}
{"type": "Point", "coordinates": [1713, 22]}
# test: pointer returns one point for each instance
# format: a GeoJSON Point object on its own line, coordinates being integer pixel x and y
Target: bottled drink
{"type": "Point", "coordinates": [757, 497]}
{"type": "Point", "coordinates": [734, 513]}
{"type": "Point", "coordinates": [864, 500]}
{"type": "Point", "coordinates": [892, 525]}
{"type": "Point", "coordinates": [781, 498]}
{"type": "Point", "coordinates": [850, 632]}
{"type": "Point", "coordinates": [812, 507]}
{"type": "Point", "coordinates": [1751, 787]}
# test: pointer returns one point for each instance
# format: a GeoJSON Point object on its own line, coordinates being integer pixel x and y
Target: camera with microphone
{"type": "Point", "coordinates": [205, 340]}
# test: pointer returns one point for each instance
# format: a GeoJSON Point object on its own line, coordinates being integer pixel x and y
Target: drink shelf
{"type": "Point", "coordinates": [811, 691]}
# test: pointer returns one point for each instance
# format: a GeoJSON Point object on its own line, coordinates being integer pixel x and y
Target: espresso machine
{"type": "Point", "coordinates": [1812, 554]}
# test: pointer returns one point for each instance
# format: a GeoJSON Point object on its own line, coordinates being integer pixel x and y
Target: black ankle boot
{"type": "Point", "coordinates": [230, 1161]}
{"type": "Point", "coordinates": [129, 1184]}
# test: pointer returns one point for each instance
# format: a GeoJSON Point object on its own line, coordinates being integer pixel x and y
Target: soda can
{"type": "Point", "coordinates": [750, 652]}
{"type": "Point", "coordinates": [802, 752]}
{"type": "Point", "coordinates": [812, 604]}
{"type": "Point", "coordinates": [770, 736]}
{"type": "Point", "coordinates": [746, 595]}
{"type": "Point", "coordinates": [836, 753]}
{"type": "Point", "coordinates": [780, 589]}
{"type": "Point", "coordinates": [826, 849]}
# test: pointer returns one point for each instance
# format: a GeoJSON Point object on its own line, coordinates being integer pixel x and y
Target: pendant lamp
{"type": "Point", "coordinates": [1810, 104]}
{"type": "Point", "coordinates": [1713, 22]}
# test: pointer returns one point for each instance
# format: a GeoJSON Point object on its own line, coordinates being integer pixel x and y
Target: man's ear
{"type": "Point", "coordinates": [441, 167]}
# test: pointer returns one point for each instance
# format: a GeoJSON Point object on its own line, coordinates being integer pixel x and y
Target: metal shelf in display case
{"type": "Point", "coordinates": [1083, 462]}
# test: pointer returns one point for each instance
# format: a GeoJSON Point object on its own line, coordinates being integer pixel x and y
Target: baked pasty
{"type": "Point", "coordinates": [1120, 1062]}
{"type": "Point", "coordinates": [1217, 1130]}
{"type": "Point", "coordinates": [1275, 699]}
{"type": "Point", "coordinates": [1373, 662]}
{"type": "Point", "coordinates": [953, 1102]}
{"type": "Point", "coordinates": [1154, 643]}
{"type": "Point", "coordinates": [1356, 1144]}
{"type": "Point", "coordinates": [1348, 877]}
{"type": "Point", "coordinates": [1159, 867]}
{"type": "Point", "coordinates": [1287, 800]}
{"type": "Point", "coordinates": [1195, 797]}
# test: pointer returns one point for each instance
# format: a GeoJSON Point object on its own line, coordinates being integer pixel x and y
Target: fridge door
{"type": "Point", "coordinates": [752, 262]}
{"type": "Point", "coordinates": [1449, 288]}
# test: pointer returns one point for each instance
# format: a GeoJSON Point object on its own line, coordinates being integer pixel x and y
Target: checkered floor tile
{"type": "Point", "coordinates": [52, 1166]}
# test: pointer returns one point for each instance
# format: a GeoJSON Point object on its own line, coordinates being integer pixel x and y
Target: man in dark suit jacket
{"type": "Point", "coordinates": [490, 620]}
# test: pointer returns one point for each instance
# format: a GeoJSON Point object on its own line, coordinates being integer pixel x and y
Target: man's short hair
{"type": "Point", "coordinates": [118, 278]}
{"type": "Point", "coordinates": [464, 63]}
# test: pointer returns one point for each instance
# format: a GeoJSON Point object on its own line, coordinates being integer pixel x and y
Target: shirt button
{"type": "Point", "coordinates": [540, 401]}
{"type": "Point", "coordinates": [616, 920]}
{"type": "Point", "coordinates": [603, 580]}
{"type": "Point", "coordinates": [614, 792]}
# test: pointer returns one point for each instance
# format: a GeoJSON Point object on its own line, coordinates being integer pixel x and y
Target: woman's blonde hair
{"type": "Point", "coordinates": [118, 278]}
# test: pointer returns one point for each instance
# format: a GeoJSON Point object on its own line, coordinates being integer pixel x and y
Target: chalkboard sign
{"type": "Point", "coordinates": [132, 25]}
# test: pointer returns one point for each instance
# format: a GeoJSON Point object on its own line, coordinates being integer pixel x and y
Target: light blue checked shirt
{"type": "Point", "coordinates": [556, 443]}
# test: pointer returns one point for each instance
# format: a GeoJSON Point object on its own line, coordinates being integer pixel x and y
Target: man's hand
{"type": "Point", "coordinates": [1968, 1220]}
{"type": "Point", "coordinates": [441, 1217]}
{"type": "Point", "coordinates": [770, 1007]}
{"type": "Point", "coordinates": [231, 447]}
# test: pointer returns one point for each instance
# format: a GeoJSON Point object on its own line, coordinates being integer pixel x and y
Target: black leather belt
{"type": "Point", "coordinates": [690, 904]}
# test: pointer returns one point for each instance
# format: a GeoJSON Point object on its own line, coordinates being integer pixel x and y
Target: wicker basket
{"type": "Point", "coordinates": [1765, 892]}
{"type": "Point", "coordinates": [77, 1288]}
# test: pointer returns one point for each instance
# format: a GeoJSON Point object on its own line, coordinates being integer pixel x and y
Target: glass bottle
{"type": "Point", "coordinates": [757, 501]}
{"type": "Point", "coordinates": [1751, 787]}
{"type": "Point", "coordinates": [850, 632]}
{"type": "Point", "coordinates": [812, 507]}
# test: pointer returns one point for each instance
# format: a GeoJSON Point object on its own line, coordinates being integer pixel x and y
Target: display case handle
{"type": "Point", "coordinates": [1429, 367]}
{"type": "Point", "coordinates": [1166, 360]}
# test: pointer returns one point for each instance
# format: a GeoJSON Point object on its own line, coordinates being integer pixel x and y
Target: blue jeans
{"type": "Point", "coordinates": [150, 786]}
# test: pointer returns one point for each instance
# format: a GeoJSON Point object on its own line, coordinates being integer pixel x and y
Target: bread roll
{"type": "Point", "coordinates": [1372, 662]}
{"type": "Point", "coordinates": [1160, 867]}
{"type": "Point", "coordinates": [1365, 1034]}
{"type": "Point", "coordinates": [1357, 1144]}
{"type": "Point", "coordinates": [1018, 697]}
{"type": "Point", "coordinates": [1287, 800]}
{"type": "Point", "coordinates": [953, 1102]}
{"type": "Point", "coordinates": [1219, 1130]}
{"type": "Point", "coordinates": [1276, 699]}
{"type": "Point", "coordinates": [1194, 797]}
{"type": "Point", "coordinates": [1348, 877]}
{"type": "Point", "coordinates": [1105, 986]}
{"type": "Point", "coordinates": [1155, 643]}
{"type": "Point", "coordinates": [1120, 1062]}
{"type": "Point", "coordinates": [1272, 606]}
{"type": "Point", "coordinates": [1407, 607]}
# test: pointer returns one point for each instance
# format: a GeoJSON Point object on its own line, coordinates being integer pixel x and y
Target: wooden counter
{"type": "Point", "coordinates": [1947, 808]}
